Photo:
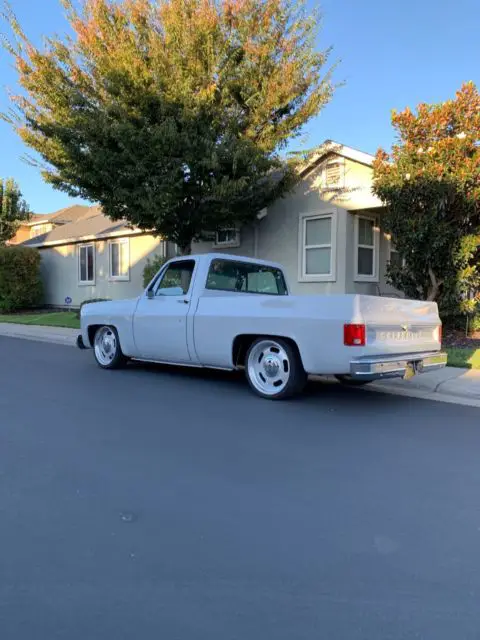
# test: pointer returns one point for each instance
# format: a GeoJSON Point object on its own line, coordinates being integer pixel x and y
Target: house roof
{"type": "Point", "coordinates": [89, 223]}
{"type": "Point", "coordinates": [331, 147]}
{"type": "Point", "coordinates": [67, 214]}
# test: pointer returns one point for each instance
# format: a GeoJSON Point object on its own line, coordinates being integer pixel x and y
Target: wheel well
{"type": "Point", "coordinates": [242, 344]}
{"type": "Point", "coordinates": [92, 330]}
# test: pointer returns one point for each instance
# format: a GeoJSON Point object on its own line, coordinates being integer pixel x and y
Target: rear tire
{"type": "Point", "coordinates": [106, 348]}
{"type": "Point", "coordinates": [351, 382]}
{"type": "Point", "coordinates": [274, 369]}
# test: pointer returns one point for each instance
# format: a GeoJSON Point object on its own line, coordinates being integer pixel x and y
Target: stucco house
{"type": "Point", "coordinates": [86, 255]}
{"type": "Point", "coordinates": [327, 233]}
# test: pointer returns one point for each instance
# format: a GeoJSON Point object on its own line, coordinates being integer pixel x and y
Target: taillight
{"type": "Point", "coordinates": [437, 334]}
{"type": "Point", "coordinates": [354, 335]}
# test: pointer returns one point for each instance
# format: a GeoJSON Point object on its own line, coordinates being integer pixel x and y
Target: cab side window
{"type": "Point", "coordinates": [176, 279]}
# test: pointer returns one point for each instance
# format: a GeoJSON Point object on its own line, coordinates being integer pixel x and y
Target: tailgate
{"type": "Point", "coordinates": [394, 325]}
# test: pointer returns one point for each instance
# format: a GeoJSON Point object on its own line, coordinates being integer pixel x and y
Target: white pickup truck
{"type": "Point", "coordinates": [229, 312]}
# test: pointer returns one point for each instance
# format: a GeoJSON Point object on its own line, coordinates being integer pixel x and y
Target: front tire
{"type": "Point", "coordinates": [274, 369]}
{"type": "Point", "coordinates": [106, 348]}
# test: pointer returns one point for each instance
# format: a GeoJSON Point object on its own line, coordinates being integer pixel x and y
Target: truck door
{"type": "Point", "coordinates": [160, 320]}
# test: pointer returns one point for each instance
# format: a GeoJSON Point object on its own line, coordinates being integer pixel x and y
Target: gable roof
{"type": "Point", "coordinates": [67, 214]}
{"type": "Point", "coordinates": [330, 147]}
{"type": "Point", "coordinates": [89, 223]}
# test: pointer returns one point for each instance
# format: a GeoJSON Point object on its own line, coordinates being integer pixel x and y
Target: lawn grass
{"type": "Point", "coordinates": [54, 319]}
{"type": "Point", "coordinates": [463, 357]}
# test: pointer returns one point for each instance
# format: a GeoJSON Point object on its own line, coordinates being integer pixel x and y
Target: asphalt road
{"type": "Point", "coordinates": [167, 504]}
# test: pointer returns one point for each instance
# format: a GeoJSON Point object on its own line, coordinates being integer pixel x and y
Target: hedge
{"type": "Point", "coordinates": [20, 283]}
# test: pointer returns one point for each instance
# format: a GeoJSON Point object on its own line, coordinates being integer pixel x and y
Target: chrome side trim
{"type": "Point", "coordinates": [188, 365]}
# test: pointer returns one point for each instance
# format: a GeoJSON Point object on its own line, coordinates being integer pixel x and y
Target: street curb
{"type": "Point", "coordinates": [436, 395]}
{"type": "Point", "coordinates": [65, 341]}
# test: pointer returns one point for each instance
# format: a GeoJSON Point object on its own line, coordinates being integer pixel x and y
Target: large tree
{"type": "Point", "coordinates": [172, 114]}
{"type": "Point", "coordinates": [430, 184]}
{"type": "Point", "coordinates": [13, 209]}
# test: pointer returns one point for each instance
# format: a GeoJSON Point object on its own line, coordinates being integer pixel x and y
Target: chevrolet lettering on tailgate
{"type": "Point", "coordinates": [402, 336]}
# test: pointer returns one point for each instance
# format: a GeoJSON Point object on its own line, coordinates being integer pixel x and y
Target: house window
{"type": "Point", "coordinates": [86, 264]}
{"type": "Point", "coordinates": [366, 249]}
{"type": "Point", "coordinates": [39, 230]}
{"type": "Point", "coordinates": [228, 237]}
{"type": "Point", "coordinates": [119, 259]}
{"type": "Point", "coordinates": [317, 247]}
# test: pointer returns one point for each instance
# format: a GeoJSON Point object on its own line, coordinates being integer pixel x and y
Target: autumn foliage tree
{"type": "Point", "coordinates": [430, 184]}
{"type": "Point", "coordinates": [171, 114]}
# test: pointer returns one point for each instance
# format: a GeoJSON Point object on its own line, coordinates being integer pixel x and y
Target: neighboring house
{"type": "Point", "coordinates": [327, 233]}
{"type": "Point", "coordinates": [40, 223]}
{"type": "Point", "coordinates": [85, 256]}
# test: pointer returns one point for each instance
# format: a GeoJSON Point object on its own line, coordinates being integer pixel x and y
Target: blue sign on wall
{"type": "Point", "coordinates": [68, 300]}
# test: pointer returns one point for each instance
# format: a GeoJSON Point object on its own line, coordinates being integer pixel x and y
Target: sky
{"type": "Point", "coordinates": [391, 54]}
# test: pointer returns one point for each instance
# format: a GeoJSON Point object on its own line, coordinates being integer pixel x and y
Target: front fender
{"type": "Point", "coordinates": [115, 313]}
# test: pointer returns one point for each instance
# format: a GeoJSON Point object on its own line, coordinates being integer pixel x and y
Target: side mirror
{"type": "Point", "coordinates": [150, 294]}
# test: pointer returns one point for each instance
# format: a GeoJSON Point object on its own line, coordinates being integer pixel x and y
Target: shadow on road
{"type": "Point", "coordinates": [318, 390]}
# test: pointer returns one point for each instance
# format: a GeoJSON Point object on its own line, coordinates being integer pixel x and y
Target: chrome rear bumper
{"type": "Point", "coordinates": [396, 366]}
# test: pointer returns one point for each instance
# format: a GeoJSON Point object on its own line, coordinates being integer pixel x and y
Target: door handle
{"type": "Point", "coordinates": [183, 301]}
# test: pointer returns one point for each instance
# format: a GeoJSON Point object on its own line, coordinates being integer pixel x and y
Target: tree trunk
{"type": "Point", "coordinates": [433, 291]}
{"type": "Point", "coordinates": [185, 250]}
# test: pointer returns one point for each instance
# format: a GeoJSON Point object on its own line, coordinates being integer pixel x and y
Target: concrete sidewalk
{"type": "Point", "coordinates": [461, 386]}
{"type": "Point", "coordinates": [448, 385]}
{"type": "Point", "coordinates": [57, 335]}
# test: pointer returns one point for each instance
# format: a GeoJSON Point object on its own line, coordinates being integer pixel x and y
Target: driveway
{"type": "Point", "coordinates": [156, 503]}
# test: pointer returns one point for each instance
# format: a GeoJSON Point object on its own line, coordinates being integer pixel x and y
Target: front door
{"type": "Point", "coordinates": [160, 320]}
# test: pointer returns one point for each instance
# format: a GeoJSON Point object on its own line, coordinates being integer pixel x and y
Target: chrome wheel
{"type": "Point", "coordinates": [105, 346]}
{"type": "Point", "coordinates": [269, 367]}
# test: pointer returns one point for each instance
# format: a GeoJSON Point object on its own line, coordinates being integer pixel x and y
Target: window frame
{"type": "Point", "coordinates": [245, 262]}
{"type": "Point", "coordinates": [119, 241]}
{"type": "Point", "coordinates": [230, 243]}
{"type": "Point", "coordinates": [361, 277]}
{"type": "Point", "coordinates": [155, 286]}
{"type": "Point", "coordinates": [39, 229]}
{"type": "Point", "coordinates": [86, 246]}
{"type": "Point", "coordinates": [303, 276]}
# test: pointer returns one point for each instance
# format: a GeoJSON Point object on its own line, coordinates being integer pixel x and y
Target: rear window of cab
{"type": "Point", "coordinates": [245, 277]}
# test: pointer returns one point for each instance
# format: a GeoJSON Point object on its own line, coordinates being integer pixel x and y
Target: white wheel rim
{"type": "Point", "coordinates": [268, 367]}
{"type": "Point", "coordinates": [105, 345]}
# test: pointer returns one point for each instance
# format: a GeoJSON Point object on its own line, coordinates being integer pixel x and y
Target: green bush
{"type": "Point", "coordinates": [20, 283]}
{"type": "Point", "coordinates": [474, 323]}
{"type": "Point", "coordinates": [152, 266]}
{"type": "Point", "coordinates": [89, 301]}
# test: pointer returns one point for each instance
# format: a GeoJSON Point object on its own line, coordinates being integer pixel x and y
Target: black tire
{"type": "Point", "coordinates": [351, 382]}
{"type": "Point", "coordinates": [106, 348]}
{"type": "Point", "coordinates": [288, 357]}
